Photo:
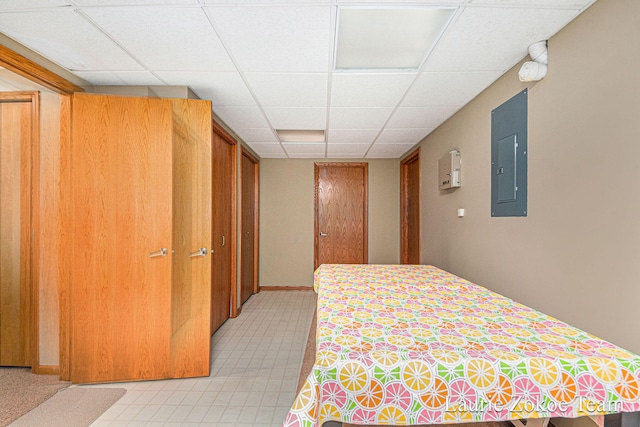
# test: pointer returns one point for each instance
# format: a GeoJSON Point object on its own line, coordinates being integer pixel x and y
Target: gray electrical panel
{"type": "Point", "coordinates": [509, 157]}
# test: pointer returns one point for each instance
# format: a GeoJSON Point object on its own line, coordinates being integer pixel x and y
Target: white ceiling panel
{"type": "Point", "coordinates": [369, 90]}
{"type": "Point", "coordinates": [239, 117]}
{"type": "Point", "coordinates": [223, 88]}
{"type": "Point", "coordinates": [536, 3]}
{"type": "Point", "coordinates": [422, 2]}
{"type": "Point", "coordinates": [79, 47]}
{"type": "Point", "coordinates": [261, 135]}
{"type": "Point", "coordinates": [31, 4]}
{"type": "Point", "coordinates": [138, 78]}
{"type": "Point", "coordinates": [447, 89]}
{"type": "Point", "coordinates": [352, 136]}
{"type": "Point", "coordinates": [316, 148]}
{"type": "Point", "coordinates": [281, 39]}
{"type": "Point", "coordinates": [388, 151]}
{"type": "Point", "coordinates": [266, 148]}
{"type": "Point", "coordinates": [262, 2]}
{"type": "Point", "coordinates": [402, 136]}
{"type": "Point", "coordinates": [419, 117]}
{"type": "Point", "coordinates": [347, 150]}
{"type": "Point", "coordinates": [486, 38]}
{"type": "Point", "coordinates": [289, 90]}
{"type": "Point", "coordinates": [274, 156]}
{"type": "Point", "coordinates": [174, 38]}
{"type": "Point", "coordinates": [101, 78]}
{"type": "Point", "coordinates": [297, 118]}
{"type": "Point", "coordinates": [358, 118]}
{"type": "Point", "coordinates": [133, 2]}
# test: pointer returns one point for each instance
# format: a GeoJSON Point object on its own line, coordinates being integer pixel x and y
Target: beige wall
{"type": "Point", "coordinates": [287, 218]}
{"type": "Point", "coordinates": [577, 254]}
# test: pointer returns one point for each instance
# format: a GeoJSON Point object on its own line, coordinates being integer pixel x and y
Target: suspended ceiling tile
{"type": "Point", "coordinates": [388, 151]}
{"type": "Point", "coordinates": [139, 78]}
{"type": "Point", "coordinates": [306, 156]}
{"type": "Point", "coordinates": [486, 38]}
{"type": "Point", "coordinates": [132, 2]}
{"type": "Point", "coordinates": [535, 3]}
{"type": "Point", "coordinates": [277, 38]}
{"type": "Point", "coordinates": [260, 135]}
{"type": "Point", "coordinates": [241, 117]}
{"type": "Point", "coordinates": [265, 148]}
{"type": "Point", "coordinates": [448, 89]}
{"type": "Point", "coordinates": [223, 88]}
{"type": "Point", "coordinates": [352, 136]}
{"type": "Point", "coordinates": [259, 2]}
{"type": "Point", "coordinates": [347, 150]}
{"type": "Point", "coordinates": [304, 147]}
{"type": "Point", "coordinates": [31, 4]}
{"type": "Point", "coordinates": [100, 78]}
{"type": "Point", "coordinates": [401, 2]}
{"type": "Point", "coordinates": [419, 117]}
{"type": "Point", "coordinates": [369, 90]}
{"type": "Point", "coordinates": [289, 90]}
{"type": "Point", "coordinates": [274, 156]}
{"type": "Point", "coordinates": [358, 118]}
{"type": "Point", "coordinates": [174, 38]}
{"type": "Point", "coordinates": [402, 136]}
{"type": "Point", "coordinates": [66, 38]}
{"type": "Point", "coordinates": [297, 118]}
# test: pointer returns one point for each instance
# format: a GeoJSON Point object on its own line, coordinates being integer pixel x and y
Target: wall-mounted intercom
{"type": "Point", "coordinates": [449, 170]}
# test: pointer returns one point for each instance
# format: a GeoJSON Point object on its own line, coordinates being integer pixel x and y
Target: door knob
{"type": "Point", "coordinates": [323, 234]}
{"type": "Point", "coordinates": [199, 253]}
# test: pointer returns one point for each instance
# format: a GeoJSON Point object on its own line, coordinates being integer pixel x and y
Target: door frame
{"type": "Point", "coordinates": [33, 271]}
{"type": "Point", "coordinates": [404, 202]}
{"type": "Point", "coordinates": [256, 196]}
{"type": "Point", "coordinates": [222, 133]}
{"type": "Point", "coordinates": [365, 208]}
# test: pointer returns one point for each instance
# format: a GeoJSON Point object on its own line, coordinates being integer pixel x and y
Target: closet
{"type": "Point", "coordinates": [139, 237]}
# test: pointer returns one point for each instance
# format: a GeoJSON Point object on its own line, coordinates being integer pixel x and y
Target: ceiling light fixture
{"type": "Point", "coordinates": [300, 135]}
{"type": "Point", "coordinates": [385, 38]}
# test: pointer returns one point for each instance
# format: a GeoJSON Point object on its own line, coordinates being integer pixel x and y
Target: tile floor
{"type": "Point", "coordinates": [255, 363]}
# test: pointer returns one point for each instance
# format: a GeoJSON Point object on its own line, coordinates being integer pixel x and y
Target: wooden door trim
{"type": "Point", "coordinates": [33, 271]}
{"type": "Point", "coordinates": [256, 216]}
{"type": "Point", "coordinates": [25, 67]}
{"type": "Point", "coordinates": [316, 229]}
{"type": "Point", "coordinates": [65, 240]}
{"type": "Point", "coordinates": [222, 133]}
{"type": "Point", "coordinates": [404, 214]}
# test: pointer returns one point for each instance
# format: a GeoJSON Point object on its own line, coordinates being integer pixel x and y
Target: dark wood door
{"type": "Point", "coordinates": [17, 121]}
{"type": "Point", "coordinates": [223, 257]}
{"type": "Point", "coordinates": [249, 227]}
{"type": "Point", "coordinates": [341, 206]}
{"type": "Point", "coordinates": [410, 208]}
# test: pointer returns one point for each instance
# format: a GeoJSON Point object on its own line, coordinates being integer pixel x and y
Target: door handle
{"type": "Point", "coordinates": [323, 234]}
{"type": "Point", "coordinates": [161, 252]}
{"type": "Point", "coordinates": [199, 253]}
{"type": "Point", "coordinates": [222, 241]}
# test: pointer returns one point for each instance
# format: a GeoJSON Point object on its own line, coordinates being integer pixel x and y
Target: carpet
{"type": "Point", "coordinates": [307, 365]}
{"type": "Point", "coordinates": [21, 391]}
{"type": "Point", "coordinates": [71, 407]}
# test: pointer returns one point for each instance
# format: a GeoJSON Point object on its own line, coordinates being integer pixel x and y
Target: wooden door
{"type": "Point", "coordinates": [224, 199]}
{"type": "Point", "coordinates": [410, 208]}
{"type": "Point", "coordinates": [191, 238]}
{"type": "Point", "coordinates": [18, 112]}
{"type": "Point", "coordinates": [341, 211]}
{"type": "Point", "coordinates": [249, 227]}
{"type": "Point", "coordinates": [121, 183]}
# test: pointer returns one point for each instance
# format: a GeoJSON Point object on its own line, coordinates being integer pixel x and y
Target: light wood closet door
{"type": "Point", "coordinates": [122, 212]}
{"type": "Point", "coordinates": [191, 278]}
{"type": "Point", "coordinates": [15, 225]}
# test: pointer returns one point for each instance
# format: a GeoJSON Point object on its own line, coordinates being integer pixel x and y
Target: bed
{"type": "Point", "coordinates": [413, 344]}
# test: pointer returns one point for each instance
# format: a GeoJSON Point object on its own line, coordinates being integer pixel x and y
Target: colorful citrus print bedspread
{"type": "Point", "coordinates": [404, 345]}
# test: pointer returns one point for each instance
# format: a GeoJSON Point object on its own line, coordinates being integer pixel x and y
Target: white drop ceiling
{"type": "Point", "coordinates": [271, 64]}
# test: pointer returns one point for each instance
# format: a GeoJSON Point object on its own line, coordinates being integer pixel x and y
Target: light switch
{"type": "Point", "coordinates": [460, 213]}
